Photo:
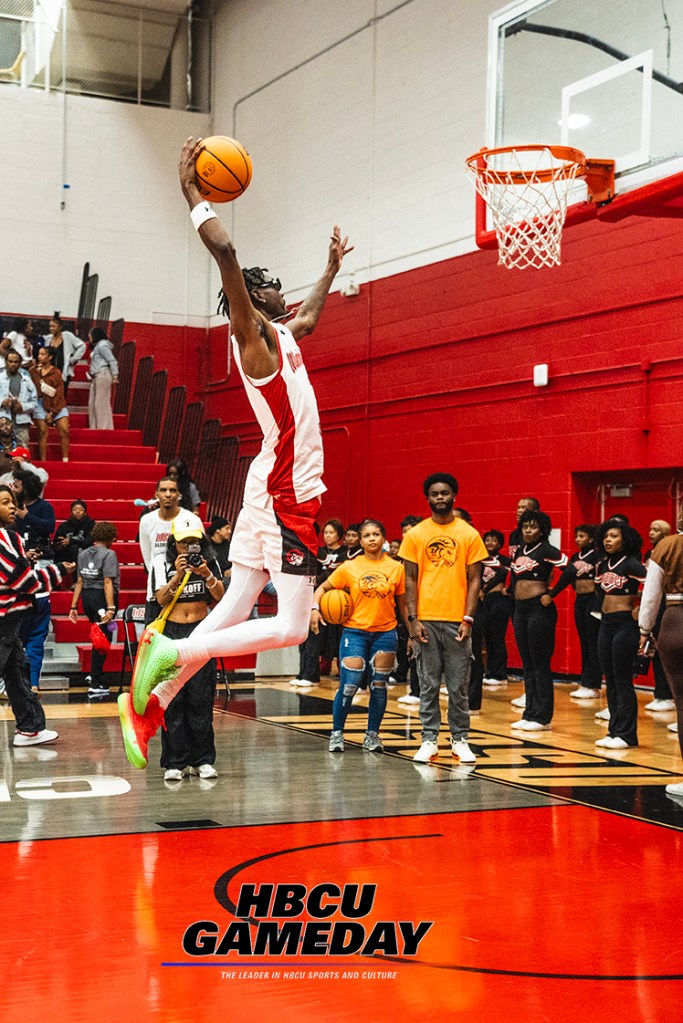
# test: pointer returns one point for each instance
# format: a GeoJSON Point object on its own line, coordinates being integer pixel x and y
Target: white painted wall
{"type": "Point", "coordinates": [358, 113]}
{"type": "Point", "coordinates": [373, 107]}
{"type": "Point", "coordinates": [123, 211]}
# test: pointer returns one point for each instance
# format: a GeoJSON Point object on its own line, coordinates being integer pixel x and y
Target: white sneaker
{"type": "Point", "coordinates": [207, 771]}
{"type": "Point", "coordinates": [660, 705]}
{"type": "Point", "coordinates": [494, 681]}
{"type": "Point", "coordinates": [519, 724]}
{"type": "Point", "coordinates": [35, 738]}
{"type": "Point", "coordinates": [675, 790]}
{"type": "Point", "coordinates": [427, 751]}
{"type": "Point", "coordinates": [585, 693]}
{"type": "Point", "coordinates": [411, 701]}
{"type": "Point", "coordinates": [462, 751]}
{"type": "Point", "coordinates": [336, 743]}
{"type": "Point", "coordinates": [302, 683]}
{"type": "Point", "coordinates": [444, 690]}
{"type": "Point", "coordinates": [173, 774]}
{"type": "Point", "coordinates": [519, 701]}
{"type": "Point", "coordinates": [602, 715]}
{"type": "Point", "coordinates": [94, 689]}
{"type": "Point", "coordinates": [673, 727]}
{"type": "Point", "coordinates": [536, 726]}
{"type": "Point", "coordinates": [612, 742]}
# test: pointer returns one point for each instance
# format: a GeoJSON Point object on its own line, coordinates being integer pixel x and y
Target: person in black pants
{"type": "Point", "coordinates": [18, 581]}
{"type": "Point", "coordinates": [186, 580]}
{"type": "Point", "coordinates": [583, 564]}
{"type": "Point", "coordinates": [324, 643]}
{"type": "Point", "coordinates": [98, 588]}
{"type": "Point", "coordinates": [490, 621]}
{"type": "Point", "coordinates": [619, 575]}
{"type": "Point", "coordinates": [405, 672]}
{"type": "Point", "coordinates": [535, 617]}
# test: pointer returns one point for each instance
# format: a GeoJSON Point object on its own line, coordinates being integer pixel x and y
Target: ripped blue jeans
{"type": "Point", "coordinates": [356, 643]}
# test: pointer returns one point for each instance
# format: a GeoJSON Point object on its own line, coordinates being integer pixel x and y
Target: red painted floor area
{"type": "Point", "coordinates": [536, 912]}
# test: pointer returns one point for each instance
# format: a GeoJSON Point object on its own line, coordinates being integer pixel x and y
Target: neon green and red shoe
{"type": "Point", "coordinates": [138, 729]}
{"type": "Point", "coordinates": [155, 662]}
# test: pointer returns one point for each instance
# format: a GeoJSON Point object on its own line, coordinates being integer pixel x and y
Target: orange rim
{"type": "Point", "coordinates": [572, 157]}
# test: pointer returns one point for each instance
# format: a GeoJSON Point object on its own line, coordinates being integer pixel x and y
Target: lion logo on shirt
{"type": "Point", "coordinates": [374, 584]}
{"type": "Point", "coordinates": [443, 551]}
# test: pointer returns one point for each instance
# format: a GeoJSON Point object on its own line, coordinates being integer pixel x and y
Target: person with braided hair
{"type": "Point", "coordinates": [275, 536]}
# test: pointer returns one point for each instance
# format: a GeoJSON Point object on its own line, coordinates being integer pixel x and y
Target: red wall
{"type": "Point", "coordinates": [432, 369]}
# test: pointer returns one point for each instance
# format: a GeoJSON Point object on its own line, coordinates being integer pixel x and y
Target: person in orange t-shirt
{"type": "Point", "coordinates": [443, 557]}
{"type": "Point", "coordinates": [375, 582]}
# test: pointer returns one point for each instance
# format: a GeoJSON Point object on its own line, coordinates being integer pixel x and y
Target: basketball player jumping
{"type": "Point", "coordinates": [274, 536]}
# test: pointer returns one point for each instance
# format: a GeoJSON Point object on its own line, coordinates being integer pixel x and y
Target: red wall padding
{"type": "Point", "coordinates": [432, 369]}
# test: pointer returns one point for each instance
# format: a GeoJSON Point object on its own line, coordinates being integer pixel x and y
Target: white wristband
{"type": "Point", "coordinates": [200, 214]}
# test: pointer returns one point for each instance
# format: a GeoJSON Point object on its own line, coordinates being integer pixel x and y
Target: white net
{"type": "Point", "coordinates": [527, 191]}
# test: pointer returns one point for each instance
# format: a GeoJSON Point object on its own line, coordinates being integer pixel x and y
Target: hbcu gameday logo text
{"type": "Point", "coordinates": [269, 923]}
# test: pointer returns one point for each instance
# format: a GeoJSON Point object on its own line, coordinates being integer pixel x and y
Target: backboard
{"type": "Point", "coordinates": [606, 78]}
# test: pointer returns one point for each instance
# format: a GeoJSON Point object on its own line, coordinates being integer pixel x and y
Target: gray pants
{"type": "Point", "coordinates": [444, 655]}
{"type": "Point", "coordinates": [99, 402]}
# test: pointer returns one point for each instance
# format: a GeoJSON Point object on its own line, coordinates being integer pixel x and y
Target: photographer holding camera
{"type": "Point", "coordinates": [188, 577]}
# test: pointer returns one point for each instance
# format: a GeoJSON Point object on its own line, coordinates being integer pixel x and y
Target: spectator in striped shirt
{"type": "Point", "coordinates": [18, 582]}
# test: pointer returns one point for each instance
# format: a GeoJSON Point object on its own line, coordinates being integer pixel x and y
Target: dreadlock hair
{"type": "Point", "coordinates": [540, 518]}
{"type": "Point", "coordinates": [254, 278]}
{"type": "Point", "coordinates": [632, 541]}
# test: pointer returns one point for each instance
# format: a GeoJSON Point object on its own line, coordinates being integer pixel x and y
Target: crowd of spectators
{"type": "Point", "coordinates": [35, 373]}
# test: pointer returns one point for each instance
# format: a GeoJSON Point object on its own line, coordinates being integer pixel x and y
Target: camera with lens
{"type": "Point", "coordinates": [194, 555]}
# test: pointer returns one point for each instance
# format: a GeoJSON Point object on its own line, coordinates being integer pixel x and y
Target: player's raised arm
{"type": "Point", "coordinates": [310, 309]}
{"type": "Point", "coordinates": [252, 331]}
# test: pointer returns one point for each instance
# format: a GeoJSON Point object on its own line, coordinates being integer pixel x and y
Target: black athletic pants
{"type": "Point", "coordinates": [535, 635]}
{"type": "Point", "coordinates": [187, 739]}
{"type": "Point", "coordinates": [618, 643]}
{"type": "Point", "coordinates": [405, 671]}
{"type": "Point", "coordinates": [588, 628]}
{"type": "Point", "coordinates": [94, 601]}
{"type": "Point", "coordinates": [14, 669]}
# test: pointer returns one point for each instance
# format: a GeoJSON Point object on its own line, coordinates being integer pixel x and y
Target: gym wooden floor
{"type": "Point", "coordinates": [549, 870]}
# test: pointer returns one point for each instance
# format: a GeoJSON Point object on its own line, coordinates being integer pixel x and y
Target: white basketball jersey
{"type": "Point", "coordinates": [289, 465]}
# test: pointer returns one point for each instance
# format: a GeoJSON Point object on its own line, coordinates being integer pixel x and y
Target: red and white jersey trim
{"type": "Point", "coordinates": [289, 466]}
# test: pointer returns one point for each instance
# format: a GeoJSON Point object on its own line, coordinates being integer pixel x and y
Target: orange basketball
{"type": "Point", "coordinates": [223, 169]}
{"type": "Point", "coordinates": [335, 607]}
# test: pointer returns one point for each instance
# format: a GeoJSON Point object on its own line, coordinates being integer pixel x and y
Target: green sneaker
{"type": "Point", "coordinates": [155, 663]}
{"type": "Point", "coordinates": [138, 729]}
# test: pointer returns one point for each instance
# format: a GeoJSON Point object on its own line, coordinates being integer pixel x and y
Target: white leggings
{"type": "Point", "coordinates": [225, 632]}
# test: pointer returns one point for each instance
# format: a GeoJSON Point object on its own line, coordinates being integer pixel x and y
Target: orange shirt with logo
{"type": "Point", "coordinates": [372, 586]}
{"type": "Point", "coordinates": [442, 553]}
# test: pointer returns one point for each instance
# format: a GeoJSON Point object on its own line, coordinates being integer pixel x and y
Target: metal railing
{"type": "Point", "coordinates": [213, 461]}
{"type": "Point", "coordinates": [170, 433]}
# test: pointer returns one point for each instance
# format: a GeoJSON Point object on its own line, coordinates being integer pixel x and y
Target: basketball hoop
{"type": "Point", "coordinates": [527, 189]}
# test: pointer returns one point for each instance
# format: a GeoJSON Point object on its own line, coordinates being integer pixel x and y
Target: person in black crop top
{"type": "Point", "coordinates": [491, 621]}
{"type": "Point", "coordinates": [324, 643]}
{"type": "Point", "coordinates": [582, 565]}
{"type": "Point", "coordinates": [187, 742]}
{"type": "Point", "coordinates": [535, 617]}
{"type": "Point", "coordinates": [619, 575]}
